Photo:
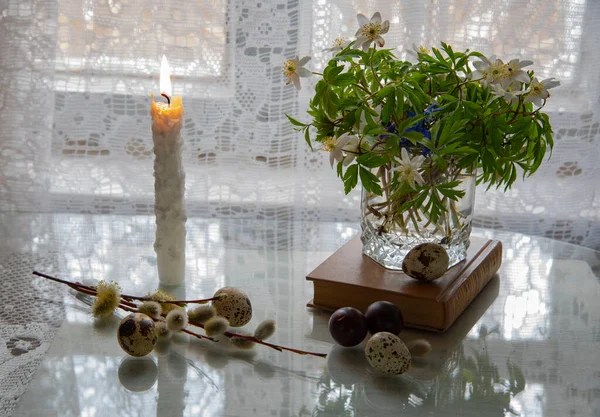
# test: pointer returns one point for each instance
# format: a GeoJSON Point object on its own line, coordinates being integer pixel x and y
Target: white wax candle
{"type": "Point", "coordinates": [169, 184]}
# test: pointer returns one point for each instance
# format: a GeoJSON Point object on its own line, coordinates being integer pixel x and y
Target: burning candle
{"type": "Point", "coordinates": [169, 183]}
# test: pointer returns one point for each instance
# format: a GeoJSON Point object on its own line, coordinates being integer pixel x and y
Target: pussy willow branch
{"type": "Point", "coordinates": [83, 288]}
{"type": "Point", "coordinates": [199, 336]}
{"type": "Point", "coordinates": [262, 342]}
{"type": "Point", "coordinates": [131, 307]}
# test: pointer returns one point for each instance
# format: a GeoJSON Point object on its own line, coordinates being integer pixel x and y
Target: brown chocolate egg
{"type": "Point", "coordinates": [137, 334]}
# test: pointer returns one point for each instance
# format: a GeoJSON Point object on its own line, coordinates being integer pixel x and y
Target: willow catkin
{"type": "Point", "coordinates": [242, 343]}
{"type": "Point", "coordinates": [150, 308]}
{"type": "Point", "coordinates": [216, 325]}
{"type": "Point", "coordinates": [201, 314]}
{"type": "Point", "coordinates": [162, 330]}
{"type": "Point", "coordinates": [265, 330]}
{"type": "Point", "coordinates": [108, 296]}
{"type": "Point", "coordinates": [177, 320]}
{"type": "Point", "coordinates": [161, 296]}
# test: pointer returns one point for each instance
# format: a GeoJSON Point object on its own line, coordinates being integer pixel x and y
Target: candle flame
{"type": "Point", "coordinates": [165, 77]}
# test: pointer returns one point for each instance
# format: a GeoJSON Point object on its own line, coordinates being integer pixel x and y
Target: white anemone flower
{"type": "Point", "coordinates": [371, 30]}
{"type": "Point", "coordinates": [344, 149]}
{"type": "Point", "coordinates": [510, 94]}
{"type": "Point", "coordinates": [418, 49]}
{"type": "Point", "coordinates": [293, 69]}
{"type": "Point", "coordinates": [481, 69]}
{"type": "Point", "coordinates": [515, 73]}
{"type": "Point", "coordinates": [490, 71]}
{"type": "Point", "coordinates": [493, 72]}
{"type": "Point", "coordinates": [337, 45]}
{"type": "Point", "coordinates": [538, 90]}
{"type": "Point", "coordinates": [408, 169]}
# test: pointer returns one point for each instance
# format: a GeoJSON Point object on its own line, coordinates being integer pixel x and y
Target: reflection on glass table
{"type": "Point", "coordinates": [526, 346]}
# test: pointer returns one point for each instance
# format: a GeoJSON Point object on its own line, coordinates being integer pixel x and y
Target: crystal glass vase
{"type": "Point", "coordinates": [390, 229]}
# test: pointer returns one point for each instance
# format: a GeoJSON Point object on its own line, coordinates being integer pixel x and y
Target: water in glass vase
{"type": "Point", "coordinates": [391, 226]}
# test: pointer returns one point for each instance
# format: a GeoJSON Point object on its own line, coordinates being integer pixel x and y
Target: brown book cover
{"type": "Point", "coordinates": [349, 278]}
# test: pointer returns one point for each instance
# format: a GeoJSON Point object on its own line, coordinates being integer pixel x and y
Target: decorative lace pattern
{"type": "Point", "coordinates": [31, 312]}
{"type": "Point", "coordinates": [76, 76]}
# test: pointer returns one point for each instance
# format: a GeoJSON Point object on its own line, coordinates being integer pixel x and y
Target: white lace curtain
{"type": "Point", "coordinates": [76, 78]}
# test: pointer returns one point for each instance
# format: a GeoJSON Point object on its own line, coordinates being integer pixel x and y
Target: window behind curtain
{"type": "Point", "coordinates": [77, 76]}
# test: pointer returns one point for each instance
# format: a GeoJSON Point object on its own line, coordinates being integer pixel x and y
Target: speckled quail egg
{"type": "Point", "coordinates": [387, 353]}
{"type": "Point", "coordinates": [137, 334]}
{"type": "Point", "coordinates": [235, 307]}
{"type": "Point", "coordinates": [426, 262]}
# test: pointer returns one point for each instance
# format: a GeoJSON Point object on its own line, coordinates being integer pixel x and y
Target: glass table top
{"type": "Point", "coordinates": [527, 345]}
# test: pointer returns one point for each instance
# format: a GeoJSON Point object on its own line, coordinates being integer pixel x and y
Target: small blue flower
{"type": "Point", "coordinates": [432, 109]}
{"type": "Point", "coordinates": [422, 126]}
{"type": "Point", "coordinates": [391, 128]}
{"type": "Point", "coordinates": [404, 142]}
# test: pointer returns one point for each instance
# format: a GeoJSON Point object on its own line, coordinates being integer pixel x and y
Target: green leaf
{"type": "Point", "coordinates": [413, 136]}
{"type": "Point", "coordinates": [369, 181]}
{"type": "Point", "coordinates": [374, 129]}
{"type": "Point", "coordinates": [349, 53]}
{"type": "Point", "coordinates": [488, 159]}
{"type": "Point", "coordinates": [350, 178]}
{"type": "Point", "coordinates": [469, 105]}
{"type": "Point", "coordinates": [371, 160]}
{"type": "Point", "coordinates": [434, 207]}
{"type": "Point", "coordinates": [330, 102]}
{"type": "Point", "coordinates": [343, 80]}
{"type": "Point", "coordinates": [449, 185]}
{"type": "Point", "coordinates": [439, 161]}
{"type": "Point", "coordinates": [307, 138]}
{"type": "Point", "coordinates": [294, 121]}
{"type": "Point", "coordinates": [428, 143]}
{"type": "Point", "coordinates": [331, 71]}
{"type": "Point", "coordinates": [438, 55]}
{"type": "Point", "coordinates": [512, 177]}
{"type": "Point", "coordinates": [448, 49]}
{"type": "Point", "coordinates": [420, 199]}
{"type": "Point", "coordinates": [399, 112]}
{"type": "Point", "coordinates": [388, 108]}
{"type": "Point", "coordinates": [540, 151]}
{"type": "Point", "coordinates": [449, 97]}
{"type": "Point", "coordinates": [388, 89]}
{"type": "Point", "coordinates": [461, 62]}
{"type": "Point", "coordinates": [319, 90]}
{"type": "Point", "coordinates": [455, 149]}
{"type": "Point", "coordinates": [415, 202]}
{"type": "Point", "coordinates": [451, 194]}
{"type": "Point", "coordinates": [413, 98]}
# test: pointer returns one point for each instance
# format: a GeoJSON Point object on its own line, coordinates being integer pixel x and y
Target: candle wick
{"type": "Point", "coordinates": [168, 99]}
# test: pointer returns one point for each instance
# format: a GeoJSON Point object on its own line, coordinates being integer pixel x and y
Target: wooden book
{"type": "Point", "coordinates": [349, 278]}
